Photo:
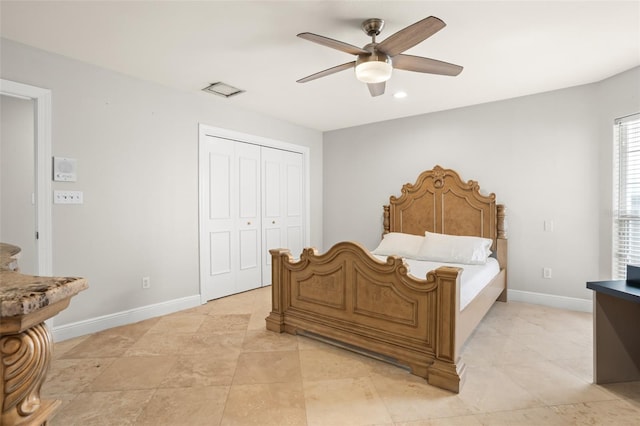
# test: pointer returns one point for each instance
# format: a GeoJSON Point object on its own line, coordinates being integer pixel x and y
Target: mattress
{"type": "Point", "coordinates": [473, 278]}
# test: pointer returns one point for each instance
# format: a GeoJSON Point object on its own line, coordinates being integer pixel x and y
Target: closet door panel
{"type": "Point", "coordinates": [218, 253]}
{"type": "Point", "coordinates": [249, 244]}
{"type": "Point", "coordinates": [231, 222]}
{"type": "Point", "coordinates": [220, 185]}
{"type": "Point", "coordinates": [248, 217]}
{"type": "Point", "coordinates": [294, 202]}
{"type": "Point", "coordinates": [273, 239]}
{"type": "Point", "coordinates": [282, 204]}
{"type": "Point", "coordinates": [249, 187]}
{"type": "Point", "coordinates": [249, 268]}
{"type": "Point", "coordinates": [272, 205]}
{"type": "Point", "coordinates": [220, 243]}
{"type": "Point", "coordinates": [271, 185]}
{"type": "Point", "coordinates": [295, 240]}
{"type": "Point", "coordinates": [294, 187]}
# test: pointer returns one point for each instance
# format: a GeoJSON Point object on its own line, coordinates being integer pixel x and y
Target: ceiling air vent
{"type": "Point", "coordinates": [223, 89]}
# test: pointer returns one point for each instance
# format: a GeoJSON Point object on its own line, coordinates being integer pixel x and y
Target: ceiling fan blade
{"type": "Point", "coordinates": [411, 35]}
{"type": "Point", "coordinates": [329, 71]}
{"type": "Point", "coordinates": [376, 89]}
{"type": "Point", "coordinates": [427, 65]}
{"type": "Point", "coordinates": [334, 44]}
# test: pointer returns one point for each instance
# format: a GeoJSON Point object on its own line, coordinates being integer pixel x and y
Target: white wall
{"type": "Point", "coordinates": [136, 144]}
{"type": "Point", "coordinates": [17, 179]}
{"type": "Point", "coordinates": [543, 156]}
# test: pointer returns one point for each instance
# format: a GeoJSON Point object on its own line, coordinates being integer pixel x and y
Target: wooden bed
{"type": "Point", "coordinates": [349, 298]}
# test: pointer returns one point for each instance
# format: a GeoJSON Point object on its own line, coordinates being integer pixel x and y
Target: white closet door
{"type": "Point", "coordinates": [282, 205]}
{"type": "Point", "coordinates": [248, 218]}
{"type": "Point", "coordinates": [230, 252]}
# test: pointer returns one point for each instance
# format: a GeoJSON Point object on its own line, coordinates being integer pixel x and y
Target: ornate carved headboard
{"type": "Point", "coordinates": [441, 202]}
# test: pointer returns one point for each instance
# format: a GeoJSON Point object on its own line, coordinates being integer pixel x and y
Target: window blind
{"type": "Point", "coordinates": [626, 208]}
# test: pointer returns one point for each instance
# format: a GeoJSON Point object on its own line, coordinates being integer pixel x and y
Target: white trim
{"type": "Point", "coordinates": [42, 127]}
{"type": "Point", "coordinates": [93, 325]}
{"type": "Point", "coordinates": [248, 138]}
{"type": "Point", "coordinates": [562, 302]}
{"type": "Point", "coordinates": [206, 130]}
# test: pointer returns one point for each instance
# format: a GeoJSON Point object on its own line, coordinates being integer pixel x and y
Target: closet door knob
{"type": "Point", "coordinates": [273, 222]}
{"type": "Point", "coordinates": [248, 223]}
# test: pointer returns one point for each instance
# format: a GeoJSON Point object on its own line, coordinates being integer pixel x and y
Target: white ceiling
{"type": "Point", "coordinates": [507, 48]}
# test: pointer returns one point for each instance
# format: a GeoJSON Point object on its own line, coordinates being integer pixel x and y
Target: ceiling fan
{"type": "Point", "coordinates": [375, 61]}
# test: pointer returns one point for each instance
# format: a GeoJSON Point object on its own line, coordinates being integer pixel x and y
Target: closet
{"type": "Point", "coordinates": [251, 200]}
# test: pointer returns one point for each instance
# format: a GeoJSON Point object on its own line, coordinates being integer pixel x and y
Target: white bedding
{"type": "Point", "coordinates": [473, 279]}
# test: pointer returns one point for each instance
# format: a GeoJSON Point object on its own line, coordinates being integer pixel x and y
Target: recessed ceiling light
{"type": "Point", "coordinates": [222, 89]}
{"type": "Point", "coordinates": [400, 95]}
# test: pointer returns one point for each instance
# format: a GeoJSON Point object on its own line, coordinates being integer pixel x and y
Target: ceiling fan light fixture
{"type": "Point", "coordinates": [374, 69]}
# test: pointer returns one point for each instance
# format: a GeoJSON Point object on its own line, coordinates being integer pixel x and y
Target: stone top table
{"type": "Point", "coordinates": [25, 342]}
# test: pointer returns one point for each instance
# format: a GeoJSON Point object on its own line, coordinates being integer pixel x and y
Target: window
{"type": "Point", "coordinates": [626, 195]}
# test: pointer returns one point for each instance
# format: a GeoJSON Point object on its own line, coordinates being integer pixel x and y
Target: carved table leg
{"type": "Point", "coordinates": [24, 361]}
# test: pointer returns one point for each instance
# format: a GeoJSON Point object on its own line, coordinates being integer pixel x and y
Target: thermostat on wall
{"type": "Point", "coordinates": [64, 169]}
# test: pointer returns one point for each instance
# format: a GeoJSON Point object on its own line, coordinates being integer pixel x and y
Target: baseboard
{"type": "Point", "coordinates": [562, 302]}
{"type": "Point", "coordinates": [93, 325]}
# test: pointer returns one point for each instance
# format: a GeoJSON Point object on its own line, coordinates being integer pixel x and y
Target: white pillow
{"type": "Point", "coordinates": [455, 249]}
{"type": "Point", "coordinates": [399, 244]}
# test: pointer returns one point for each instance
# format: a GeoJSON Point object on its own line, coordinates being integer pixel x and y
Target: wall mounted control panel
{"type": "Point", "coordinates": [67, 197]}
{"type": "Point", "coordinates": [65, 169]}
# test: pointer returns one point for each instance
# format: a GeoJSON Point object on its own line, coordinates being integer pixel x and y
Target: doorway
{"type": "Point", "coordinates": [17, 179]}
{"type": "Point", "coordinates": [37, 230]}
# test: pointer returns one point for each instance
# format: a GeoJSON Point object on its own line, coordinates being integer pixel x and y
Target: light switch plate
{"type": "Point", "coordinates": [68, 197]}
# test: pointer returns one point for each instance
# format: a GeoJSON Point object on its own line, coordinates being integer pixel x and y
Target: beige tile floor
{"type": "Point", "coordinates": [217, 365]}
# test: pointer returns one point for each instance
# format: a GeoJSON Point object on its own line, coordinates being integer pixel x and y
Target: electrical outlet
{"type": "Point", "coordinates": [546, 273]}
{"type": "Point", "coordinates": [146, 282]}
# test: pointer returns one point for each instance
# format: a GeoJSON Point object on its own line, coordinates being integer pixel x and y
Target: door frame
{"type": "Point", "coordinates": [205, 130]}
{"type": "Point", "coordinates": [43, 166]}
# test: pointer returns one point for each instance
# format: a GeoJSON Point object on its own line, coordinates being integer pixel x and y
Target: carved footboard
{"type": "Point", "coordinates": [348, 296]}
